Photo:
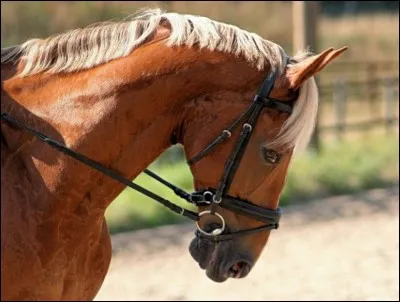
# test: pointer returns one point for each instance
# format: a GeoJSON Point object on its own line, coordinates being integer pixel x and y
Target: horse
{"type": "Point", "coordinates": [120, 93]}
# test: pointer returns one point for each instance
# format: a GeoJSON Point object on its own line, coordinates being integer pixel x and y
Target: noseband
{"type": "Point", "coordinates": [210, 197]}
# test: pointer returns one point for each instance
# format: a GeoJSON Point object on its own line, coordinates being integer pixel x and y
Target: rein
{"type": "Point", "coordinates": [110, 173]}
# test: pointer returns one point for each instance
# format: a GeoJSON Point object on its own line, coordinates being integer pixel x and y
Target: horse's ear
{"type": "Point", "coordinates": [300, 72]}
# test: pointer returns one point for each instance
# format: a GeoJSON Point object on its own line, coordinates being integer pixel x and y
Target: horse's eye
{"type": "Point", "coordinates": [270, 156]}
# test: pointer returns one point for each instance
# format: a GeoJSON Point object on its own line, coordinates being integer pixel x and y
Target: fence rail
{"type": "Point", "coordinates": [378, 86]}
{"type": "Point", "coordinates": [361, 125]}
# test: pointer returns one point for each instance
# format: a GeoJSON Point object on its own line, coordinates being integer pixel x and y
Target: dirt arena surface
{"type": "Point", "coordinates": [340, 248]}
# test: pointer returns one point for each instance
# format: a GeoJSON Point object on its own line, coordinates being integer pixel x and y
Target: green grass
{"type": "Point", "coordinates": [338, 169]}
{"type": "Point", "coordinates": [343, 168]}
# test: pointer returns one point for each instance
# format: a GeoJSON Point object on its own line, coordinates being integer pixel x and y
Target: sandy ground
{"type": "Point", "coordinates": [340, 248]}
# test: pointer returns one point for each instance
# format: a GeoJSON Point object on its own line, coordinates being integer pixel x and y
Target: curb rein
{"type": "Point", "coordinates": [210, 197]}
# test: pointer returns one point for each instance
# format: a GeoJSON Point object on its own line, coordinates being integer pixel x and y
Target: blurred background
{"type": "Point", "coordinates": [355, 145]}
{"type": "Point", "coordinates": [355, 148]}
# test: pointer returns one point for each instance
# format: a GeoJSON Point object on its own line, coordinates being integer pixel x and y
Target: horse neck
{"type": "Point", "coordinates": [123, 128]}
{"type": "Point", "coordinates": [123, 121]}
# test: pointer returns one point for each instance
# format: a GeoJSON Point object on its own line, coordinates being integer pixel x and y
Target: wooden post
{"type": "Point", "coordinates": [388, 87]}
{"type": "Point", "coordinates": [339, 101]}
{"type": "Point", "coordinates": [305, 17]}
{"type": "Point", "coordinates": [371, 88]}
{"type": "Point", "coordinates": [305, 22]}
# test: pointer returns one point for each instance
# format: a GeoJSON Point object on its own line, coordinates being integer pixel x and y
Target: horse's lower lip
{"type": "Point", "coordinates": [202, 265]}
{"type": "Point", "coordinates": [195, 251]}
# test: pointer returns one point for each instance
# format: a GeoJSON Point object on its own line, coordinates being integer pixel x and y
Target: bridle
{"type": "Point", "coordinates": [218, 197]}
{"type": "Point", "coordinates": [210, 197]}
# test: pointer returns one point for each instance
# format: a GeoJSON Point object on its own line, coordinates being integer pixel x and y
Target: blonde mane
{"type": "Point", "coordinates": [100, 43]}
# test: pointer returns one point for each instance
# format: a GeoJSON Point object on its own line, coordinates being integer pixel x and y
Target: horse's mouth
{"type": "Point", "coordinates": [218, 259]}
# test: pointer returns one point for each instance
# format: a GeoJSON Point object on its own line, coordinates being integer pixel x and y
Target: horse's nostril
{"type": "Point", "coordinates": [239, 270]}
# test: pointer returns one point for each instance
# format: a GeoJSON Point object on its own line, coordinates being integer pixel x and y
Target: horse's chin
{"type": "Point", "coordinates": [216, 278]}
{"type": "Point", "coordinates": [204, 252]}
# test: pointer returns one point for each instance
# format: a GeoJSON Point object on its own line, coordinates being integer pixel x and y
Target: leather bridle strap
{"type": "Point", "coordinates": [114, 175]}
{"type": "Point", "coordinates": [234, 159]}
{"type": "Point", "coordinates": [239, 206]}
{"type": "Point", "coordinates": [262, 98]}
{"type": "Point", "coordinates": [227, 133]}
{"type": "Point", "coordinates": [178, 191]}
{"type": "Point", "coordinates": [229, 236]}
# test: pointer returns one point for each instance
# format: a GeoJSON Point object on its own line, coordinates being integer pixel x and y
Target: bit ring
{"type": "Point", "coordinates": [215, 232]}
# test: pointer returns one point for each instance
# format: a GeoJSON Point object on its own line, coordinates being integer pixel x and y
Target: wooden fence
{"type": "Point", "coordinates": [368, 90]}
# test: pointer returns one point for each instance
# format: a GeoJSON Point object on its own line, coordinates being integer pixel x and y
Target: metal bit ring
{"type": "Point", "coordinates": [215, 232]}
